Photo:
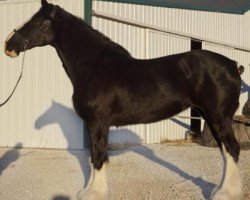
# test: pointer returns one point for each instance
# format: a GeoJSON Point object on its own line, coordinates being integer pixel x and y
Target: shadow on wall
{"type": "Point", "coordinates": [70, 123]}
{"type": "Point", "coordinates": [123, 137]}
{"type": "Point", "coordinates": [245, 88]}
{"type": "Point", "coordinates": [180, 123]}
{"type": "Point", "coordinates": [55, 115]}
{"type": "Point", "coordinates": [63, 116]}
{"type": "Point", "coordinates": [10, 157]}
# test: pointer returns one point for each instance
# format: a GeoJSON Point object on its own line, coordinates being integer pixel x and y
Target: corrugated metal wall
{"type": "Point", "coordinates": [131, 37]}
{"type": "Point", "coordinates": [246, 29]}
{"type": "Point", "coordinates": [40, 113]}
{"type": "Point", "coordinates": [221, 27]}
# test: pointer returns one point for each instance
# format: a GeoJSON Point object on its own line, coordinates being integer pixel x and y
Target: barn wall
{"type": "Point", "coordinates": [246, 29]}
{"type": "Point", "coordinates": [222, 27]}
{"type": "Point", "coordinates": [40, 113]}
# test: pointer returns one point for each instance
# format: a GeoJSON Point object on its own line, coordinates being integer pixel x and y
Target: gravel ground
{"type": "Point", "coordinates": [135, 173]}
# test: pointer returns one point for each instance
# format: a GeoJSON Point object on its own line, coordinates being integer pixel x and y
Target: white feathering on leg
{"type": "Point", "coordinates": [231, 185]}
{"type": "Point", "coordinates": [97, 188]}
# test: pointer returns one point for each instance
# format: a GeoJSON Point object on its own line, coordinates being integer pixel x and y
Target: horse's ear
{"type": "Point", "coordinates": [44, 3]}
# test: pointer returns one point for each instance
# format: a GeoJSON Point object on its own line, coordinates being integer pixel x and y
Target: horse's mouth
{"type": "Point", "coordinates": [12, 54]}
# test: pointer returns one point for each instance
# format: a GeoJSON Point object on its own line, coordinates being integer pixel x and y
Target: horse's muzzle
{"type": "Point", "coordinates": [11, 54]}
{"type": "Point", "coordinates": [10, 50]}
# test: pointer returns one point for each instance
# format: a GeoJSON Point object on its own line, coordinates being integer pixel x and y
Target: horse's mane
{"type": "Point", "coordinates": [98, 36]}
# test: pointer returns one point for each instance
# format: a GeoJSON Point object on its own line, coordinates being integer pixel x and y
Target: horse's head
{"type": "Point", "coordinates": [35, 32]}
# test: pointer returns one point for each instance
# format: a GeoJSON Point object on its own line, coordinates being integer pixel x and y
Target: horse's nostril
{"type": "Point", "coordinates": [11, 54]}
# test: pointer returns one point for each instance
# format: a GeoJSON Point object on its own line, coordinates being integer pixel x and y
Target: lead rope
{"type": "Point", "coordinates": [20, 76]}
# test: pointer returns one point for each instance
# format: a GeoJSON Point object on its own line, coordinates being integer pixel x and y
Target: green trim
{"type": "Point", "coordinates": [88, 20]}
{"type": "Point", "coordinates": [88, 11]}
{"type": "Point", "coordinates": [183, 5]}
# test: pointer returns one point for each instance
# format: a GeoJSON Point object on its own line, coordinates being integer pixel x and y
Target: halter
{"type": "Point", "coordinates": [25, 43]}
{"type": "Point", "coordinates": [53, 12]}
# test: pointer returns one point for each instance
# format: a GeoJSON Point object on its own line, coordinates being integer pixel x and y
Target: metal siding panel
{"type": "Point", "coordinates": [222, 27]}
{"type": "Point", "coordinates": [247, 28]}
{"type": "Point", "coordinates": [131, 38]}
{"type": "Point", "coordinates": [44, 92]}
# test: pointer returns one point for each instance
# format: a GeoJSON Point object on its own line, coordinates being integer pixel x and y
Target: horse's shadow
{"type": "Point", "coordinates": [59, 197]}
{"type": "Point", "coordinates": [63, 116]}
{"type": "Point", "coordinates": [53, 115]}
{"type": "Point", "coordinates": [9, 157]}
{"type": "Point", "coordinates": [205, 186]}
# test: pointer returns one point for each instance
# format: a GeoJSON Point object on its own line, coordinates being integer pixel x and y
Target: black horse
{"type": "Point", "coordinates": [113, 88]}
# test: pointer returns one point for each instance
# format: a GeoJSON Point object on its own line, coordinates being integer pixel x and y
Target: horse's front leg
{"type": "Point", "coordinates": [97, 188]}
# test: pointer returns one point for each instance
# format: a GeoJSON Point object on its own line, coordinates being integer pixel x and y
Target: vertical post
{"type": "Point", "coordinates": [88, 11]}
{"type": "Point", "coordinates": [88, 20]}
{"type": "Point", "coordinates": [195, 124]}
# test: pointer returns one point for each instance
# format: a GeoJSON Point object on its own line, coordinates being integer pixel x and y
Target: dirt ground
{"type": "Point", "coordinates": [148, 172]}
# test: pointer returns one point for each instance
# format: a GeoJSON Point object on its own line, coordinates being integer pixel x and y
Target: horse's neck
{"type": "Point", "coordinates": [67, 67]}
{"type": "Point", "coordinates": [77, 59]}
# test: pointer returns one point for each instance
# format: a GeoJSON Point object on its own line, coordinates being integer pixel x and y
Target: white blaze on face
{"type": "Point", "coordinates": [12, 53]}
{"type": "Point", "coordinates": [231, 185]}
{"type": "Point", "coordinates": [97, 188]}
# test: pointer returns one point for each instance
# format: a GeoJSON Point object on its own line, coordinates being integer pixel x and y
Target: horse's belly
{"type": "Point", "coordinates": [148, 113]}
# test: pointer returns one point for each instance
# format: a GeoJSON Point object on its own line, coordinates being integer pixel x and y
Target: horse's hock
{"type": "Point", "coordinates": [241, 127]}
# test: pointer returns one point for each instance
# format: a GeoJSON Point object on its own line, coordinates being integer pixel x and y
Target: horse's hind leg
{"type": "Point", "coordinates": [230, 187]}
{"type": "Point", "coordinates": [97, 188]}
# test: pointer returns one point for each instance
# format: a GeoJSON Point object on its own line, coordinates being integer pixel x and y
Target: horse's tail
{"type": "Point", "coordinates": [241, 69]}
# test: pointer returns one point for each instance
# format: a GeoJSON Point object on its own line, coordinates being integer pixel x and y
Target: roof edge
{"type": "Point", "coordinates": [181, 6]}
